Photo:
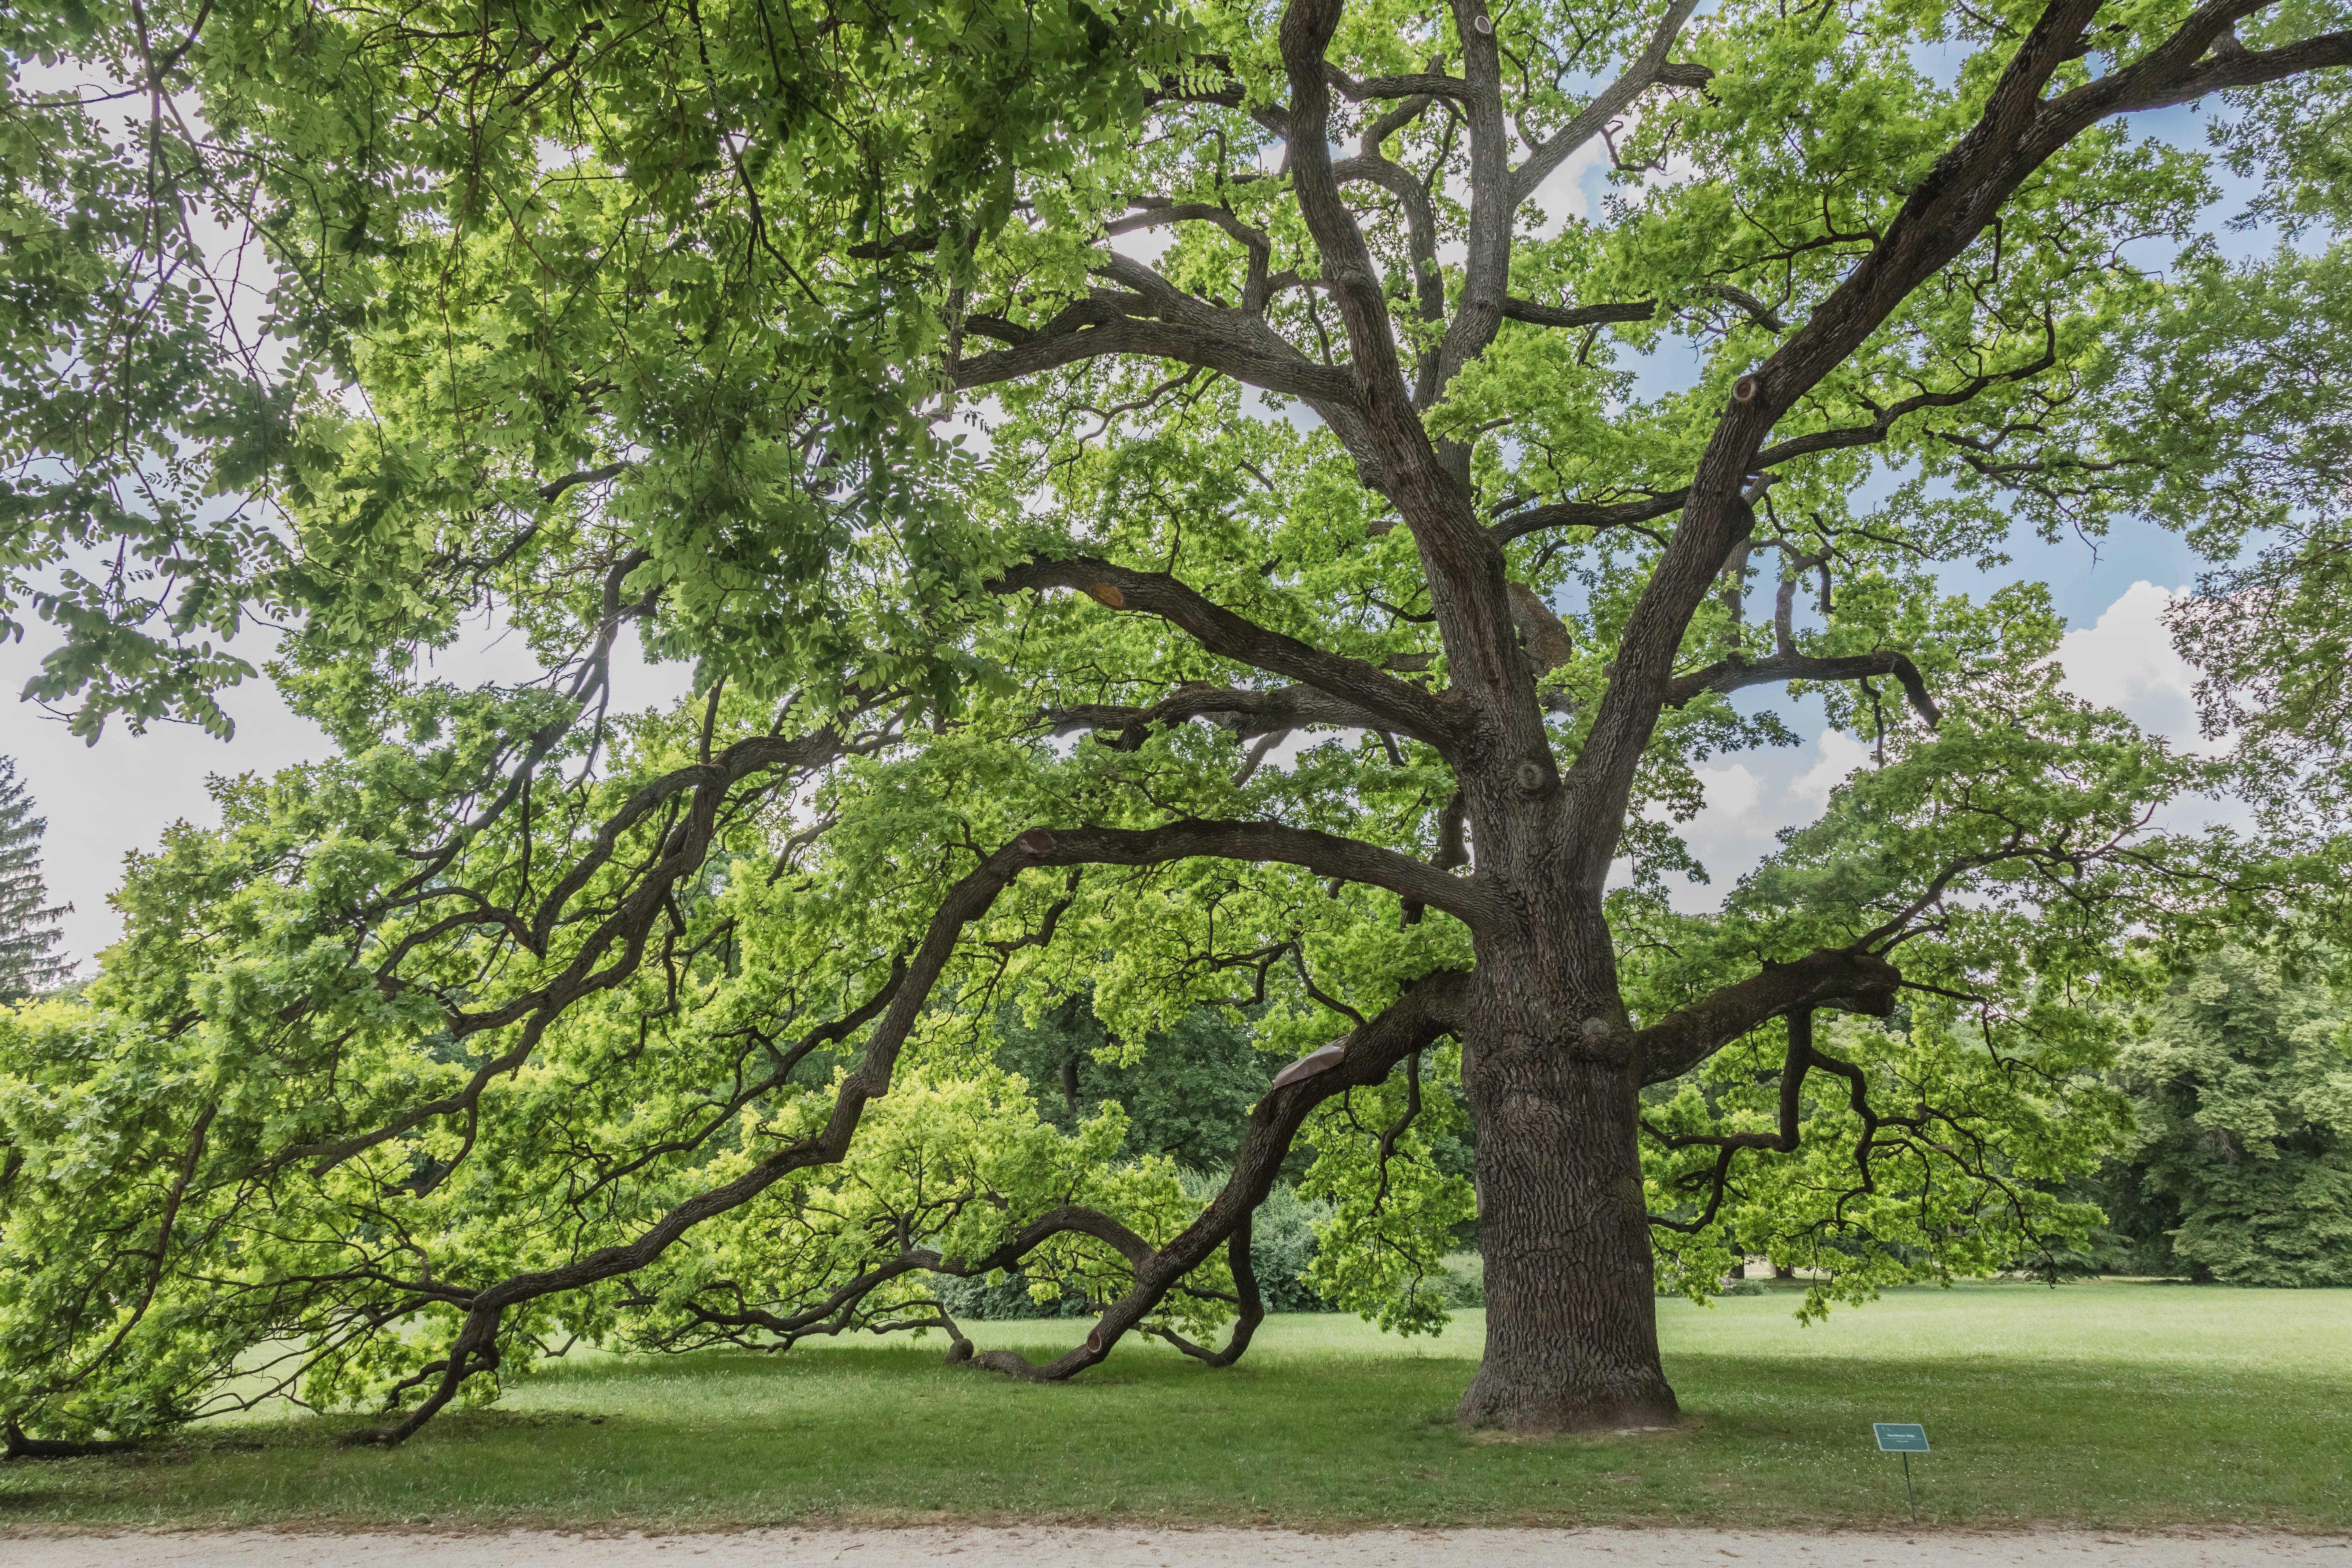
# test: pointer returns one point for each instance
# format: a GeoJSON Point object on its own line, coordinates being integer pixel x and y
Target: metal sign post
{"type": "Point", "coordinates": [1906, 1438]}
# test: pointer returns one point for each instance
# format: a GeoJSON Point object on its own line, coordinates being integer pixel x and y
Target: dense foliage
{"type": "Point", "coordinates": [1170, 506]}
{"type": "Point", "coordinates": [2240, 1167]}
{"type": "Point", "coordinates": [1186, 1089]}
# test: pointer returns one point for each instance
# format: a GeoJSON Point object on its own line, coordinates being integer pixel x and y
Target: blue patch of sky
{"type": "Point", "coordinates": [2085, 575]}
{"type": "Point", "coordinates": [1754, 793]}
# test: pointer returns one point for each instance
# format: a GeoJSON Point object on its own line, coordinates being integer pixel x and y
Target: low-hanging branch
{"type": "Point", "coordinates": [1425, 1012]}
{"type": "Point", "coordinates": [836, 1312]}
{"type": "Point", "coordinates": [1419, 1017]}
{"type": "Point", "coordinates": [1727, 1145]}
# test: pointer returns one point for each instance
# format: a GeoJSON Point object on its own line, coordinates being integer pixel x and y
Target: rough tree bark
{"type": "Point", "coordinates": [1571, 1310]}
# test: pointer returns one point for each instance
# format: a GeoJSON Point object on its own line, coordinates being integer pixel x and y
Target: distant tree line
{"type": "Point", "coordinates": [2240, 1169]}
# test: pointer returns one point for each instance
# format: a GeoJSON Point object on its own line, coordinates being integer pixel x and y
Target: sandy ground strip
{"type": "Point", "coordinates": [1042, 1545]}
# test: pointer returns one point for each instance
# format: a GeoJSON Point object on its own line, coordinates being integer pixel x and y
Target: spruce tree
{"type": "Point", "coordinates": [29, 936]}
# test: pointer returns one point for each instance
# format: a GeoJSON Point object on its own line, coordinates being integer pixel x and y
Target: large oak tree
{"type": "Point", "coordinates": [1165, 503]}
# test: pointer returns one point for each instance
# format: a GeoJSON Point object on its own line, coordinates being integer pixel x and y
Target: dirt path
{"type": "Point", "coordinates": [1041, 1546]}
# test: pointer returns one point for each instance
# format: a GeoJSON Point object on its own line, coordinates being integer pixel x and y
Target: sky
{"type": "Point", "coordinates": [106, 801]}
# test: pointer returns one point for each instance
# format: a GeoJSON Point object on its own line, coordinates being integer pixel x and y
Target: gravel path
{"type": "Point", "coordinates": [1041, 1546]}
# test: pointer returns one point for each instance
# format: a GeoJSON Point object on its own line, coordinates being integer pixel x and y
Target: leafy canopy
{"type": "Point", "coordinates": [824, 343]}
{"type": "Point", "coordinates": [2240, 1164]}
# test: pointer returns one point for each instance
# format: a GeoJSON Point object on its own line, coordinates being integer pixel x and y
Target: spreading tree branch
{"type": "Point", "coordinates": [2017, 133]}
{"type": "Point", "coordinates": [1842, 978]}
{"type": "Point", "coordinates": [1425, 1012]}
{"type": "Point", "coordinates": [1396, 704]}
{"type": "Point", "coordinates": [1733, 674]}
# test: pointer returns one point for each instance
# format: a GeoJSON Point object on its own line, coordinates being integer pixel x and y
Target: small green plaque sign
{"type": "Point", "coordinates": [1900, 1438]}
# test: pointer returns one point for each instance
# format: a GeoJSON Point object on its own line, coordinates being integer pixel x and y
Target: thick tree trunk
{"type": "Point", "coordinates": [1572, 1313]}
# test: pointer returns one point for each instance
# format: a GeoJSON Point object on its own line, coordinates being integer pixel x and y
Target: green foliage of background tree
{"type": "Point", "coordinates": [29, 934]}
{"type": "Point", "coordinates": [1186, 1090]}
{"type": "Point", "coordinates": [810, 341]}
{"type": "Point", "coordinates": [1186, 1093]}
{"type": "Point", "coordinates": [2241, 1167]}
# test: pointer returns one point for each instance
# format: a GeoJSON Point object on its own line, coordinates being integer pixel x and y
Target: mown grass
{"type": "Point", "coordinates": [2115, 1405]}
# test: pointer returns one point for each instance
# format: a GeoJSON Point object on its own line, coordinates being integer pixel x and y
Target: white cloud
{"type": "Point", "coordinates": [1840, 753]}
{"type": "Point", "coordinates": [1145, 244]}
{"type": "Point", "coordinates": [1568, 191]}
{"type": "Point", "coordinates": [1734, 790]}
{"type": "Point", "coordinates": [2127, 661]}
{"type": "Point", "coordinates": [1747, 807]}
{"type": "Point", "coordinates": [1730, 833]}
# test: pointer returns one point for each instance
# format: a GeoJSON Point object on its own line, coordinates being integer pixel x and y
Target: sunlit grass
{"type": "Point", "coordinates": [2110, 1404]}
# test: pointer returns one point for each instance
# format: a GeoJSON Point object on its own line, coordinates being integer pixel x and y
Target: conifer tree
{"type": "Point", "coordinates": [29, 960]}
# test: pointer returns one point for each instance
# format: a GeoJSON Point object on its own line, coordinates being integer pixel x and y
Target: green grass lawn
{"type": "Point", "coordinates": [2113, 1404]}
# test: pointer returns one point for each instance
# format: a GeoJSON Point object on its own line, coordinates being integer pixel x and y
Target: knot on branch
{"type": "Point", "coordinates": [1313, 1062]}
